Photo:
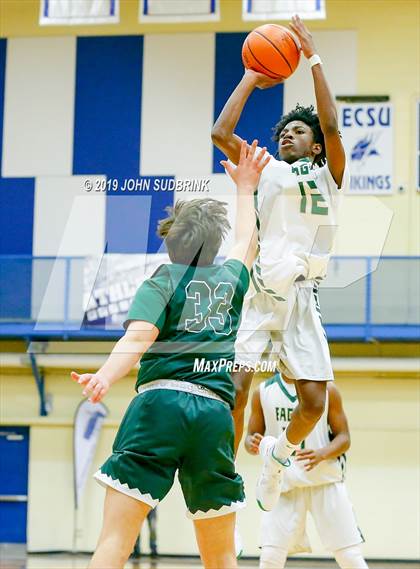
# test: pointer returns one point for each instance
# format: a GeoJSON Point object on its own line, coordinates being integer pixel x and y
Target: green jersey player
{"type": "Point", "coordinates": [297, 215]}
{"type": "Point", "coordinates": [180, 420]}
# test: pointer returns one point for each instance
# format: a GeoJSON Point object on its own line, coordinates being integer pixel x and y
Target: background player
{"type": "Point", "coordinates": [314, 482]}
{"type": "Point", "coordinates": [189, 303]}
{"type": "Point", "coordinates": [297, 215]}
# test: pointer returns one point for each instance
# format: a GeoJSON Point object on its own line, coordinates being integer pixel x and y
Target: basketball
{"type": "Point", "coordinates": [271, 49]}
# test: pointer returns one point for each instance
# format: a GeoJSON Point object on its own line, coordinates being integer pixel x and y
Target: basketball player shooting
{"type": "Point", "coordinates": [297, 203]}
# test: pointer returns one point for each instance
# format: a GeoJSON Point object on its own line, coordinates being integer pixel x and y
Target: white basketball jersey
{"type": "Point", "coordinates": [278, 399]}
{"type": "Point", "coordinates": [297, 217]}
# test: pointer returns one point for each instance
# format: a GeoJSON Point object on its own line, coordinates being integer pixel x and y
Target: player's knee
{"type": "Point", "coordinates": [272, 557]}
{"type": "Point", "coordinates": [313, 408]}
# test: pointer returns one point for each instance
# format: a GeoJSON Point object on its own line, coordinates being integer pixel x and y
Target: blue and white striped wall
{"type": "Point", "coordinates": [124, 107]}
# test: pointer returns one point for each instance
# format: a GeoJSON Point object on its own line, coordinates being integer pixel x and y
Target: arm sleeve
{"type": "Point", "coordinates": [150, 302]}
{"type": "Point", "coordinates": [240, 272]}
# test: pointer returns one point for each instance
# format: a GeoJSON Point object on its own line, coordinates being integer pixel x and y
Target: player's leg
{"type": "Point", "coordinates": [242, 380]}
{"type": "Point", "coordinates": [216, 542]}
{"type": "Point", "coordinates": [251, 342]}
{"type": "Point", "coordinates": [123, 517]}
{"type": "Point", "coordinates": [283, 530]}
{"type": "Point", "coordinates": [139, 473]}
{"type": "Point", "coordinates": [272, 557]}
{"type": "Point", "coordinates": [336, 524]}
{"type": "Point", "coordinates": [350, 558]}
{"type": "Point", "coordinates": [312, 397]}
{"type": "Point", "coordinates": [212, 489]}
{"type": "Point", "coordinates": [304, 356]}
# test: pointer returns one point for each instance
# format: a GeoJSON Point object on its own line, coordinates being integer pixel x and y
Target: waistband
{"type": "Point", "coordinates": [186, 386]}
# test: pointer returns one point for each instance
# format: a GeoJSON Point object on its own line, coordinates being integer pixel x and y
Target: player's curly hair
{"type": "Point", "coordinates": [309, 117]}
{"type": "Point", "coordinates": [194, 231]}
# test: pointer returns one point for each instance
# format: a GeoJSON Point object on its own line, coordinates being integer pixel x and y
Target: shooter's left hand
{"type": "Point", "coordinates": [304, 35]}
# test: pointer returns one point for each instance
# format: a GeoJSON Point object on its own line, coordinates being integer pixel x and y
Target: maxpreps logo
{"type": "Point", "coordinates": [367, 136]}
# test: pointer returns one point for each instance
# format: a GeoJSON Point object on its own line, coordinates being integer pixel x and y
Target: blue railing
{"type": "Point", "coordinates": [363, 298]}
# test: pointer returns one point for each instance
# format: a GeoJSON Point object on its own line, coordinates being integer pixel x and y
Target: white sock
{"type": "Point", "coordinates": [284, 448]}
{"type": "Point", "coordinates": [272, 557]}
{"type": "Point", "coordinates": [350, 558]}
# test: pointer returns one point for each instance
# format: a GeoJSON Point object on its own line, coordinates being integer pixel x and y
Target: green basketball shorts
{"type": "Point", "coordinates": [165, 431]}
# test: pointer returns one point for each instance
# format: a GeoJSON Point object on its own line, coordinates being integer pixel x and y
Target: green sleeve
{"type": "Point", "coordinates": [151, 300]}
{"type": "Point", "coordinates": [240, 271]}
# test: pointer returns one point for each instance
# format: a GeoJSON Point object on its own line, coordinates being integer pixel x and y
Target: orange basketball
{"type": "Point", "coordinates": [271, 49]}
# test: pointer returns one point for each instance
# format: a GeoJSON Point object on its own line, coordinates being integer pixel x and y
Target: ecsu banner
{"type": "Point", "coordinates": [368, 131]}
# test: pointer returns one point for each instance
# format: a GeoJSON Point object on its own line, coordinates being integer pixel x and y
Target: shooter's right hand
{"type": "Point", "coordinates": [260, 80]}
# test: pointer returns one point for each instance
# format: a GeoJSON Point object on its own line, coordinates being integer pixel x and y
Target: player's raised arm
{"type": "Point", "coordinates": [246, 177]}
{"type": "Point", "coordinates": [137, 339]}
{"type": "Point", "coordinates": [325, 103]}
{"type": "Point", "coordinates": [256, 424]}
{"type": "Point", "coordinates": [223, 132]}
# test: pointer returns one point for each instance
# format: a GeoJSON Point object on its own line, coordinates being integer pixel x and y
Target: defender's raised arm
{"type": "Point", "coordinates": [246, 177]}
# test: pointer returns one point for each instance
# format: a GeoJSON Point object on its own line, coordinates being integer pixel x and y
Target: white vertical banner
{"type": "Point", "coordinates": [283, 9]}
{"type": "Point", "coordinates": [88, 421]}
{"type": "Point", "coordinates": [178, 11]}
{"type": "Point", "coordinates": [76, 12]}
{"type": "Point", "coordinates": [368, 133]}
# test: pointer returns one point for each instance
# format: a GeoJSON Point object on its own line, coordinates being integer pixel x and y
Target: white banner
{"type": "Point", "coordinates": [283, 9]}
{"type": "Point", "coordinates": [368, 132]}
{"type": "Point", "coordinates": [76, 12]}
{"type": "Point", "coordinates": [108, 292]}
{"type": "Point", "coordinates": [178, 11]}
{"type": "Point", "coordinates": [88, 422]}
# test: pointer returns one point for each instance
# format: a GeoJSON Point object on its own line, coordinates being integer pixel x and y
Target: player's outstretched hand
{"type": "Point", "coordinates": [95, 385]}
{"type": "Point", "coordinates": [247, 173]}
{"type": "Point", "coordinates": [252, 443]}
{"type": "Point", "coordinates": [311, 458]}
{"type": "Point", "coordinates": [262, 81]}
{"type": "Point", "coordinates": [304, 35]}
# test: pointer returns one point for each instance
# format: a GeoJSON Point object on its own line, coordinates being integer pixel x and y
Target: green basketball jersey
{"type": "Point", "coordinates": [197, 311]}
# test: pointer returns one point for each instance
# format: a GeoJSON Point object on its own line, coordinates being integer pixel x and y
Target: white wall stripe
{"type": "Point", "coordinates": [340, 66]}
{"type": "Point", "coordinates": [39, 107]}
{"type": "Point", "coordinates": [68, 220]}
{"type": "Point", "coordinates": [177, 104]}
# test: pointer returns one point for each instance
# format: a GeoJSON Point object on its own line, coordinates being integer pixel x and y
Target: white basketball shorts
{"type": "Point", "coordinates": [291, 330]}
{"type": "Point", "coordinates": [331, 510]}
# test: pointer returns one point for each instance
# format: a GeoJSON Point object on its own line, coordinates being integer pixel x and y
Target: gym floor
{"type": "Point", "coordinates": [15, 557]}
